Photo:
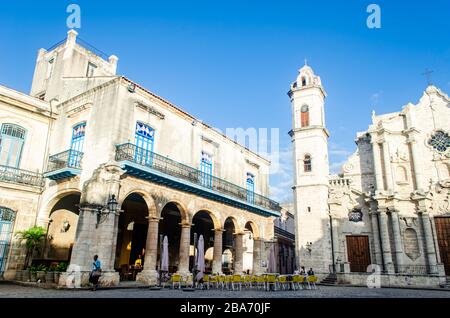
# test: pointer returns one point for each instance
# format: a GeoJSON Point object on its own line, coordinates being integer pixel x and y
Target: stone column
{"type": "Point", "coordinates": [429, 242]}
{"type": "Point", "coordinates": [416, 159]}
{"type": "Point", "coordinates": [337, 251]}
{"type": "Point", "coordinates": [377, 166]}
{"type": "Point", "coordinates": [217, 252]}
{"type": "Point", "coordinates": [376, 236]}
{"type": "Point", "coordinates": [257, 256]}
{"type": "Point", "coordinates": [185, 243]}
{"type": "Point", "coordinates": [385, 242]}
{"type": "Point", "coordinates": [239, 253]}
{"type": "Point", "coordinates": [387, 166]}
{"type": "Point", "coordinates": [149, 275]}
{"type": "Point", "coordinates": [397, 238]}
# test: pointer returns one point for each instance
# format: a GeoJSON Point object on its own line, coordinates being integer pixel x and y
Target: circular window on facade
{"type": "Point", "coordinates": [305, 109]}
{"type": "Point", "coordinates": [440, 141]}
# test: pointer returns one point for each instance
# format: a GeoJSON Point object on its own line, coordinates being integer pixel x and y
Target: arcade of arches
{"type": "Point", "coordinates": [139, 233]}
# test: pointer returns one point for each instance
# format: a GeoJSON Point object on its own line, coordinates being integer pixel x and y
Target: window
{"type": "Point", "coordinates": [307, 163]}
{"type": "Point", "coordinates": [440, 141]}
{"type": "Point", "coordinates": [91, 70]}
{"type": "Point", "coordinates": [206, 170]}
{"type": "Point", "coordinates": [145, 137]}
{"type": "Point", "coordinates": [50, 68]}
{"type": "Point", "coordinates": [76, 147]}
{"type": "Point", "coordinates": [11, 145]}
{"type": "Point", "coordinates": [303, 81]}
{"type": "Point", "coordinates": [250, 188]}
{"type": "Point", "coordinates": [304, 113]}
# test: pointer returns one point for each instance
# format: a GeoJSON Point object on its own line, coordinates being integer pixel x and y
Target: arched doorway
{"type": "Point", "coordinates": [203, 224]}
{"type": "Point", "coordinates": [248, 245]}
{"type": "Point", "coordinates": [131, 236]}
{"type": "Point", "coordinates": [62, 228]}
{"type": "Point", "coordinates": [228, 243]}
{"type": "Point", "coordinates": [7, 218]}
{"type": "Point", "coordinates": [170, 226]}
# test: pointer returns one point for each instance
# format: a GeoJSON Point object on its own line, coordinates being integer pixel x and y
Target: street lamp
{"type": "Point", "coordinates": [104, 211]}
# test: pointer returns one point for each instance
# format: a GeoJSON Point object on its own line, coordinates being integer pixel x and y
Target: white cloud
{"type": "Point", "coordinates": [375, 97]}
{"type": "Point", "coordinates": [282, 177]}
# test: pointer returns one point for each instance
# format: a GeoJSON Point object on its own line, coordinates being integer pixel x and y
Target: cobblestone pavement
{"type": "Point", "coordinates": [15, 291]}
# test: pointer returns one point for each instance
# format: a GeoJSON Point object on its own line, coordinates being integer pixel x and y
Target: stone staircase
{"type": "Point", "coordinates": [447, 284]}
{"type": "Point", "coordinates": [330, 280]}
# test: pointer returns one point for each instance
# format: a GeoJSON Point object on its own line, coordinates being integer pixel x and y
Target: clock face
{"type": "Point", "coordinates": [355, 216]}
{"type": "Point", "coordinates": [304, 109]}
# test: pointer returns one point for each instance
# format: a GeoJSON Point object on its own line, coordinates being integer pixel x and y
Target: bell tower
{"type": "Point", "coordinates": [310, 149]}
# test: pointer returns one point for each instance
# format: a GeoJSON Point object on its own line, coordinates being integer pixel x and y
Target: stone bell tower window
{"type": "Point", "coordinates": [304, 113]}
{"type": "Point", "coordinates": [307, 163]}
{"type": "Point", "coordinates": [303, 81]}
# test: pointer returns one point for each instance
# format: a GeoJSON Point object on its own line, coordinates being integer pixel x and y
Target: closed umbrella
{"type": "Point", "coordinates": [201, 254]}
{"type": "Point", "coordinates": [271, 267]}
{"type": "Point", "coordinates": [165, 255]}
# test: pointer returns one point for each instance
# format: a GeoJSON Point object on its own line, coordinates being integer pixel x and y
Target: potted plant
{"type": "Point", "coordinates": [33, 273]}
{"type": "Point", "coordinates": [61, 267]}
{"type": "Point", "coordinates": [32, 239]}
{"type": "Point", "coordinates": [50, 275]}
{"type": "Point", "coordinates": [41, 273]}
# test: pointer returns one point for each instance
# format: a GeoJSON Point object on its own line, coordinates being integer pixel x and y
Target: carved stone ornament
{"type": "Point", "coordinates": [355, 215]}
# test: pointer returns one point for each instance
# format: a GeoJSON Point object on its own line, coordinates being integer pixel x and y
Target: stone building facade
{"type": "Point", "coordinates": [285, 238]}
{"type": "Point", "coordinates": [93, 138]}
{"type": "Point", "coordinates": [389, 206]}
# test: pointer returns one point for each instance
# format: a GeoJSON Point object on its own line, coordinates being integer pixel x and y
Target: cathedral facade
{"type": "Point", "coordinates": [109, 168]}
{"type": "Point", "coordinates": [388, 211]}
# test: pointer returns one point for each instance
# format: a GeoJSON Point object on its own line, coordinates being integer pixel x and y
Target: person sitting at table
{"type": "Point", "coordinates": [138, 262]}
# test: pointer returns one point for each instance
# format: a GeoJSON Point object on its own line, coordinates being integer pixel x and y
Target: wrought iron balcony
{"type": "Point", "coordinates": [19, 176]}
{"type": "Point", "coordinates": [154, 167]}
{"type": "Point", "coordinates": [64, 165]}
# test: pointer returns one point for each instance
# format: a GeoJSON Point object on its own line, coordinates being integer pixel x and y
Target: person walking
{"type": "Point", "coordinates": [95, 273]}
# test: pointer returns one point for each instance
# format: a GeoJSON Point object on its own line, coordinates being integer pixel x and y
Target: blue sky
{"type": "Point", "coordinates": [230, 63]}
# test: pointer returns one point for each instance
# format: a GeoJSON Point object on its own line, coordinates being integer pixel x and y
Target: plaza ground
{"type": "Point", "coordinates": [15, 291]}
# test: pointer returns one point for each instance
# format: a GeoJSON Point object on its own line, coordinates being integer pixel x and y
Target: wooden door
{"type": "Point", "coordinates": [358, 252]}
{"type": "Point", "coordinates": [443, 237]}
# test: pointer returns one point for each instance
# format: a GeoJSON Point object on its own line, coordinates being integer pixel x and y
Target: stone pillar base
{"type": "Point", "coordinates": [80, 279]}
{"type": "Point", "coordinates": [148, 277]}
{"type": "Point", "coordinates": [390, 269]}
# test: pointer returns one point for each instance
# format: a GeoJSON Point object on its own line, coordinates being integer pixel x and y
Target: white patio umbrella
{"type": "Point", "coordinates": [201, 254]}
{"type": "Point", "coordinates": [165, 255]}
{"type": "Point", "coordinates": [271, 266]}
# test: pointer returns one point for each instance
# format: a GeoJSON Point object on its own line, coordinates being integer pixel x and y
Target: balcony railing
{"type": "Point", "coordinates": [154, 161]}
{"type": "Point", "coordinates": [63, 165]}
{"type": "Point", "coordinates": [336, 181]}
{"type": "Point", "coordinates": [66, 159]}
{"type": "Point", "coordinates": [18, 176]}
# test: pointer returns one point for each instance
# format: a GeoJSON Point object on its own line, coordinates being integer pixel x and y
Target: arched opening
{"type": "Point", "coordinates": [203, 224]}
{"type": "Point", "coordinates": [307, 163]}
{"type": "Point", "coordinates": [248, 243]}
{"type": "Point", "coordinates": [304, 81]}
{"type": "Point", "coordinates": [62, 228]}
{"type": "Point", "coordinates": [304, 114]}
{"type": "Point", "coordinates": [170, 226]}
{"type": "Point", "coordinates": [228, 246]}
{"type": "Point", "coordinates": [131, 237]}
{"type": "Point", "coordinates": [7, 218]}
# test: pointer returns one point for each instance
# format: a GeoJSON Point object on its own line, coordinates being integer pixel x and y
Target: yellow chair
{"type": "Point", "coordinates": [296, 281]}
{"type": "Point", "coordinates": [189, 281]}
{"type": "Point", "coordinates": [205, 281]}
{"type": "Point", "coordinates": [221, 281]}
{"type": "Point", "coordinates": [236, 280]}
{"type": "Point", "coordinates": [312, 281]}
{"type": "Point", "coordinates": [176, 280]}
{"type": "Point", "coordinates": [282, 282]}
{"type": "Point", "coordinates": [213, 281]}
{"type": "Point", "coordinates": [248, 281]}
{"type": "Point", "coordinates": [271, 279]}
{"type": "Point", "coordinates": [261, 281]}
